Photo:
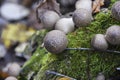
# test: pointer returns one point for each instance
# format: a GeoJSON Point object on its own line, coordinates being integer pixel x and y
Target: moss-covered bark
{"type": "Point", "coordinates": [77, 64]}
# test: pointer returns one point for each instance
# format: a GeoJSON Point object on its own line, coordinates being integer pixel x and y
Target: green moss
{"type": "Point", "coordinates": [32, 65]}
{"type": "Point", "coordinates": [74, 63]}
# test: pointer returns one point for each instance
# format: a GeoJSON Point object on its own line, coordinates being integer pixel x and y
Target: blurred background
{"type": "Point", "coordinates": [17, 24]}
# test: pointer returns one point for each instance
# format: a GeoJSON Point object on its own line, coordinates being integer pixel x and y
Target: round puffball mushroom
{"type": "Point", "coordinates": [82, 17]}
{"type": "Point", "coordinates": [14, 69]}
{"type": "Point", "coordinates": [99, 42]}
{"type": "Point", "coordinates": [116, 10]}
{"type": "Point", "coordinates": [84, 4]}
{"type": "Point", "coordinates": [113, 35]}
{"type": "Point", "coordinates": [48, 19]}
{"type": "Point", "coordinates": [55, 41]}
{"type": "Point", "coordinates": [65, 24]}
{"type": "Point", "coordinates": [11, 78]}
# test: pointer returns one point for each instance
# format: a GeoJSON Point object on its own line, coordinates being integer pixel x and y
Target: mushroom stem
{"type": "Point", "coordinates": [59, 74]}
{"type": "Point", "coordinates": [90, 49]}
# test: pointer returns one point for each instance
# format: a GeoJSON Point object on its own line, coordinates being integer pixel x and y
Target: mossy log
{"type": "Point", "coordinates": [81, 65]}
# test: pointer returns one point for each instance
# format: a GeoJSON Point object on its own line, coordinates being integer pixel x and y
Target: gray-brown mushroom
{"type": "Point", "coordinates": [82, 17]}
{"type": "Point", "coordinates": [113, 35]}
{"type": "Point", "coordinates": [99, 42]}
{"type": "Point", "coordinates": [49, 18]}
{"type": "Point", "coordinates": [116, 10]}
{"type": "Point", "coordinates": [84, 4]}
{"type": "Point", "coordinates": [55, 41]}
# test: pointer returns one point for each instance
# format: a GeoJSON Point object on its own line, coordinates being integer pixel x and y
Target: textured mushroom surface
{"type": "Point", "coordinates": [49, 18]}
{"type": "Point", "coordinates": [84, 4]}
{"type": "Point", "coordinates": [113, 35]}
{"type": "Point", "coordinates": [116, 10]}
{"type": "Point", "coordinates": [77, 64]}
{"type": "Point", "coordinates": [99, 42]}
{"type": "Point", "coordinates": [82, 17]}
{"type": "Point", "coordinates": [55, 41]}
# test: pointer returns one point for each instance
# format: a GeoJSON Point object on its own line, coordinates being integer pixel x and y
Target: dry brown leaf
{"type": "Point", "coordinates": [32, 21]}
{"type": "Point", "coordinates": [96, 5]}
{"type": "Point", "coordinates": [47, 5]}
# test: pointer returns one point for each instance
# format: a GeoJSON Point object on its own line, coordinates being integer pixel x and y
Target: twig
{"type": "Point", "coordinates": [90, 49]}
{"type": "Point", "coordinates": [84, 49]}
{"type": "Point", "coordinates": [59, 74]}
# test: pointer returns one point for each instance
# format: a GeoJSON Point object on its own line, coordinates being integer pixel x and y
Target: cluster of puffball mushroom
{"type": "Point", "coordinates": [56, 41]}
{"type": "Point", "coordinates": [112, 35]}
{"type": "Point", "coordinates": [81, 17]}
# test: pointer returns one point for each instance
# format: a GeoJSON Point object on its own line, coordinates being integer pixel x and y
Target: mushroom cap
{"type": "Point", "coordinates": [84, 4]}
{"type": "Point", "coordinates": [49, 18]}
{"type": "Point", "coordinates": [55, 41]}
{"type": "Point", "coordinates": [14, 69]}
{"type": "Point", "coordinates": [113, 35]}
{"type": "Point", "coordinates": [99, 42]}
{"type": "Point", "coordinates": [82, 17]}
{"type": "Point", "coordinates": [116, 10]}
{"type": "Point", "coordinates": [65, 24]}
{"type": "Point", "coordinates": [11, 78]}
